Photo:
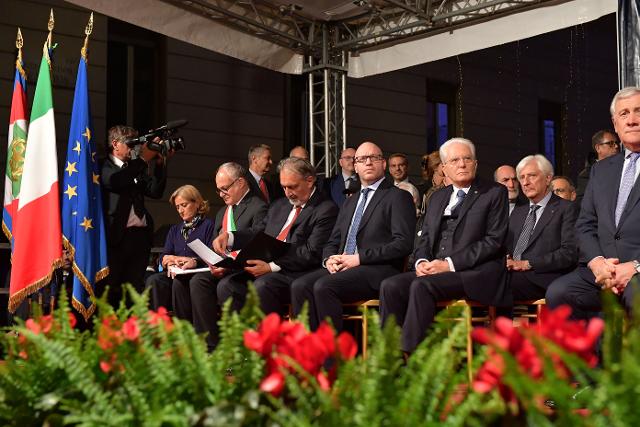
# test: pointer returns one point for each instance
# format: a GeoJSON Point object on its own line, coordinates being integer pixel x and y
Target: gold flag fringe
{"type": "Point", "coordinates": [16, 299]}
{"type": "Point", "coordinates": [101, 274]}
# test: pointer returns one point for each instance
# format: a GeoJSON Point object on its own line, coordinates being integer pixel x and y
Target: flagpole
{"type": "Point", "coordinates": [50, 26]}
{"type": "Point", "coordinates": [87, 31]}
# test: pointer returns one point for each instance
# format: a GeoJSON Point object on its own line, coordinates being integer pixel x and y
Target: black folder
{"type": "Point", "coordinates": [262, 247]}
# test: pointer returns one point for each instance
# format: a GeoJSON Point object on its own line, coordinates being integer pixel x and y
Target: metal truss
{"type": "Point", "coordinates": [279, 24]}
{"type": "Point", "coordinates": [327, 112]}
{"type": "Point", "coordinates": [325, 44]}
{"type": "Point", "coordinates": [390, 21]}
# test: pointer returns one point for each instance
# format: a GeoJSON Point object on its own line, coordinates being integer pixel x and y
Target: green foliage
{"type": "Point", "coordinates": [163, 377]}
{"type": "Point", "coordinates": [160, 374]}
{"type": "Point", "coordinates": [384, 391]}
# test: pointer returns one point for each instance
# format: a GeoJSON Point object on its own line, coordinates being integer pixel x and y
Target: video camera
{"type": "Point", "coordinates": [167, 135]}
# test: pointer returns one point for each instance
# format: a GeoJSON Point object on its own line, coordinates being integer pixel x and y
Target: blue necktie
{"type": "Point", "coordinates": [461, 195]}
{"type": "Point", "coordinates": [350, 247]}
{"type": "Point", "coordinates": [626, 184]}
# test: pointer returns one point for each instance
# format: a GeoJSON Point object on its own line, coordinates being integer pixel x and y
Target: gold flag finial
{"type": "Point", "coordinates": [50, 26]}
{"type": "Point", "coordinates": [87, 31]}
{"type": "Point", "coordinates": [19, 44]}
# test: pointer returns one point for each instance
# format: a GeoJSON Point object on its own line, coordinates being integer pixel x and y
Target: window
{"type": "Point", "coordinates": [440, 113]}
{"type": "Point", "coordinates": [550, 131]}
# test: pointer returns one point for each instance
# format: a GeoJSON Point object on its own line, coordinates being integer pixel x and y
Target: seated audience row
{"type": "Point", "coordinates": [492, 242]}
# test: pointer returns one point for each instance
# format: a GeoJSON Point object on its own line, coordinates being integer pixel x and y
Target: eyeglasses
{"type": "Point", "coordinates": [347, 158]}
{"type": "Point", "coordinates": [373, 158]}
{"type": "Point", "coordinates": [558, 191]}
{"type": "Point", "coordinates": [609, 143]}
{"type": "Point", "coordinates": [457, 160]}
{"type": "Point", "coordinates": [226, 188]}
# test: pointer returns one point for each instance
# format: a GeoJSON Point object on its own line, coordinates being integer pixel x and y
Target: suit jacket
{"type": "Point", "coordinates": [478, 247]}
{"type": "Point", "coordinates": [334, 188]}
{"type": "Point", "coordinates": [552, 249]}
{"type": "Point", "coordinates": [597, 232]}
{"type": "Point", "coordinates": [307, 235]}
{"type": "Point", "coordinates": [274, 188]}
{"type": "Point", "coordinates": [248, 215]}
{"type": "Point", "coordinates": [121, 186]}
{"type": "Point", "coordinates": [385, 234]}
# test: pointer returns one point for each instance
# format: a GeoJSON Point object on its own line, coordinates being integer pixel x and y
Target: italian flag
{"type": "Point", "coordinates": [38, 236]}
{"type": "Point", "coordinates": [15, 149]}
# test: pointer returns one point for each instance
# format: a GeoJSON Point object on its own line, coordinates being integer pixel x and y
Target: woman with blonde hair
{"type": "Point", "coordinates": [192, 209]}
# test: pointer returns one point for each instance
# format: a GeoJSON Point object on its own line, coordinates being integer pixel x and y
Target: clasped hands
{"type": "Point", "coordinates": [337, 263]}
{"type": "Point", "coordinates": [426, 268]}
{"type": "Point", "coordinates": [611, 274]}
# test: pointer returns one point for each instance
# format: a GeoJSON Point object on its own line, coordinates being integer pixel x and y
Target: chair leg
{"type": "Point", "coordinates": [469, 344]}
{"type": "Point", "coordinates": [365, 332]}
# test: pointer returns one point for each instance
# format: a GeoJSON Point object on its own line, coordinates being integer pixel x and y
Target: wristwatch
{"type": "Point", "coordinates": [636, 266]}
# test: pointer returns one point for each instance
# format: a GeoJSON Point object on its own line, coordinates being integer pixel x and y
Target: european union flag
{"type": "Point", "coordinates": [82, 216]}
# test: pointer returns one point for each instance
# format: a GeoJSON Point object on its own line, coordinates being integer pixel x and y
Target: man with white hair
{"type": "Point", "coordinates": [541, 242]}
{"type": "Point", "coordinates": [461, 252]}
{"type": "Point", "coordinates": [608, 227]}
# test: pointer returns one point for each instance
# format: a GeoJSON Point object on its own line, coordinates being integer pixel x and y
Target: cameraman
{"type": "Point", "coordinates": [126, 180]}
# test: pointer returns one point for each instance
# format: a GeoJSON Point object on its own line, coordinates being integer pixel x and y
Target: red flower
{"type": "Point", "coordinates": [554, 326]}
{"type": "Point", "coordinates": [130, 329]}
{"type": "Point", "coordinates": [288, 344]}
{"type": "Point", "coordinates": [347, 346]}
{"type": "Point", "coordinates": [273, 383]}
{"type": "Point", "coordinates": [72, 320]}
{"type": "Point", "coordinates": [161, 317]}
{"type": "Point", "coordinates": [43, 324]}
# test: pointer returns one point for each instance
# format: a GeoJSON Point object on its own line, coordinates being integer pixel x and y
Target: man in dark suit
{"type": "Point", "coordinates": [541, 243]}
{"type": "Point", "coordinates": [129, 226]}
{"type": "Point", "coordinates": [370, 241]}
{"type": "Point", "coordinates": [506, 175]}
{"type": "Point", "coordinates": [259, 165]}
{"type": "Point", "coordinates": [608, 226]}
{"type": "Point", "coordinates": [605, 144]}
{"type": "Point", "coordinates": [461, 252]}
{"type": "Point", "coordinates": [196, 300]}
{"type": "Point", "coordinates": [347, 179]}
{"type": "Point", "coordinates": [304, 219]}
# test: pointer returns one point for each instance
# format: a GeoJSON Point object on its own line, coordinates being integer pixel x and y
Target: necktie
{"type": "Point", "coordinates": [455, 208]}
{"type": "Point", "coordinates": [228, 222]}
{"type": "Point", "coordinates": [285, 230]}
{"type": "Point", "coordinates": [349, 183]}
{"type": "Point", "coordinates": [350, 247]}
{"type": "Point", "coordinates": [626, 184]}
{"type": "Point", "coordinates": [265, 191]}
{"type": "Point", "coordinates": [525, 234]}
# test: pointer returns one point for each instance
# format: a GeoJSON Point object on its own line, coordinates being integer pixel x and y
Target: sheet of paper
{"type": "Point", "coordinates": [177, 270]}
{"type": "Point", "coordinates": [204, 252]}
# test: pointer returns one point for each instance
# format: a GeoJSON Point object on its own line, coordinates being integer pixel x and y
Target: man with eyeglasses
{"type": "Point", "coordinates": [608, 227]}
{"type": "Point", "coordinates": [461, 252]}
{"type": "Point", "coordinates": [563, 187]}
{"type": "Point", "coordinates": [198, 302]}
{"type": "Point", "coordinates": [347, 179]}
{"type": "Point", "coordinates": [605, 144]}
{"type": "Point", "coordinates": [370, 241]}
{"type": "Point", "coordinates": [304, 219]}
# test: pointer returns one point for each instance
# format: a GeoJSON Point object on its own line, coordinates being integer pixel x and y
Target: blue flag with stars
{"type": "Point", "coordinates": [82, 217]}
